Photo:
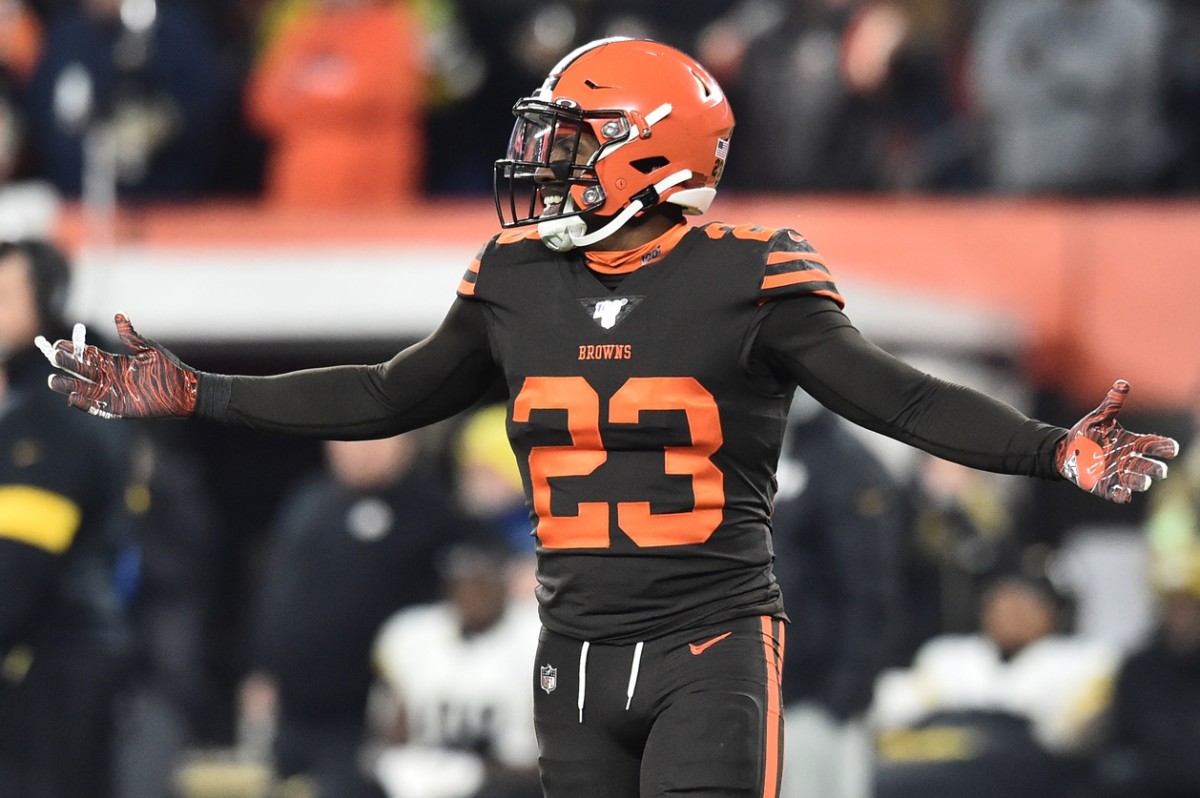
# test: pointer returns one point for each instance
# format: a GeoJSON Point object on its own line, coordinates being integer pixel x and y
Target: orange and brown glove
{"type": "Point", "coordinates": [1102, 457]}
{"type": "Point", "coordinates": [150, 383]}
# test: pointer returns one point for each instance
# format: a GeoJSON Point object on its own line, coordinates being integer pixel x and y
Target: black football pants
{"type": "Point", "coordinates": [694, 713]}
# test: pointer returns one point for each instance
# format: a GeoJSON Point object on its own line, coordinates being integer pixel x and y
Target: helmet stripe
{"type": "Point", "coordinates": [547, 88]}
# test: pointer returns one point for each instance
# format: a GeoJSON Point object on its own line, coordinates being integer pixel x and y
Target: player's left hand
{"type": "Point", "coordinates": [1102, 457]}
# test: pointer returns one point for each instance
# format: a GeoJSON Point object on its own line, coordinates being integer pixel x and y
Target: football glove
{"type": "Point", "coordinates": [1102, 457]}
{"type": "Point", "coordinates": [150, 383]}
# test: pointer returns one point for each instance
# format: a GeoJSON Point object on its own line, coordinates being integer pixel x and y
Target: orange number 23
{"type": "Point", "coordinates": [588, 528]}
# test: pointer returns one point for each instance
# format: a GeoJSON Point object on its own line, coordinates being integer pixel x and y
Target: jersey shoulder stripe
{"type": "Point", "coordinates": [792, 267]}
{"type": "Point", "coordinates": [466, 286]}
{"type": "Point", "coordinates": [517, 235]}
{"type": "Point", "coordinates": [470, 279]}
{"type": "Point", "coordinates": [744, 232]}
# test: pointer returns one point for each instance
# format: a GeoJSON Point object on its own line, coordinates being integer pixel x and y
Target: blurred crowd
{"type": "Point", "coordinates": [383, 624]}
{"type": "Point", "coordinates": [336, 103]}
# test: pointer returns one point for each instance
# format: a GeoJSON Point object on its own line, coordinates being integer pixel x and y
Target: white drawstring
{"type": "Point", "coordinates": [633, 673]}
{"type": "Point", "coordinates": [583, 650]}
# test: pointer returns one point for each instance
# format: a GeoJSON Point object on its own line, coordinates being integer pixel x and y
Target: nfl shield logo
{"type": "Point", "coordinates": [549, 678]}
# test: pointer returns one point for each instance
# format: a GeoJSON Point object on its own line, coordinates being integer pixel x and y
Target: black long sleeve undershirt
{"type": "Point", "coordinates": [809, 340]}
{"type": "Point", "coordinates": [427, 382]}
{"type": "Point", "coordinates": [805, 339]}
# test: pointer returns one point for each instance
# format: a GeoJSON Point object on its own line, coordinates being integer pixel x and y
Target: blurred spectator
{"type": "Point", "coordinates": [1154, 724]}
{"type": "Point", "coordinates": [960, 537]}
{"type": "Point", "coordinates": [340, 95]}
{"type": "Point", "coordinates": [1173, 520]}
{"type": "Point", "coordinates": [170, 696]}
{"type": "Point", "coordinates": [723, 42]}
{"type": "Point", "coordinates": [1183, 95]}
{"type": "Point", "coordinates": [62, 636]}
{"type": "Point", "coordinates": [678, 23]}
{"type": "Point", "coordinates": [506, 48]}
{"type": "Point", "coordinates": [48, 8]}
{"type": "Point", "coordinates": [457, 717]}
{"type": "Point", "coordinates": [1006, 711]}
{"type": "Point", "coordinates": [28, 208]}
{"type": "Point", "coordinates": [488, 479]}
{"type": "Point", "coordinates": [1155, 719]}
{"type": "Point", "coordinates": [127, 92]}
{"type": "Point", "coordinates": [20, 40]}
{"type": "Point", "coordinates": [1070, 95]}
{"type": "Point", "coordinates": [838, 95]}
{"type": "Point", "coordinates": [350, 548]}
{"type": "Point", "coordinates": [838, 559]}
{"type": "Point", "coordinates": [488, 483]}
{"type": "Point", "coordinates": [489, 53]}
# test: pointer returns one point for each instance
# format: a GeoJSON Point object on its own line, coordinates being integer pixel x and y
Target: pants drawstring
{"type": "Point", "coordinates": [633, 673]}
{"type": "Point", "coordinates": [583, 652]}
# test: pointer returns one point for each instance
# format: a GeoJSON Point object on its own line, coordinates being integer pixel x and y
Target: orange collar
{"type": "Point", "coordinates": [623, 261]}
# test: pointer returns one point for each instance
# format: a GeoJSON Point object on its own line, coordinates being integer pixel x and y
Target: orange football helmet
{"type": "Point", "coordinates": [619, 126]}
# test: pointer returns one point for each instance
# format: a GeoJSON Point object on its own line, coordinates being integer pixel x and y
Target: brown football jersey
{"type": "Point", "coordinates": [647, 445]}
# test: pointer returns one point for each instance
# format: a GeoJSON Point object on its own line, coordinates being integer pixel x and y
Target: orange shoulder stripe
{"type": "Point", "coordinates": [786, 257]}
{"type": "Point", "coordinates": [515, 235]}
{"type": "Point", "coordinates": [791, 278]}
{"type": "Point", "coordinates": [749, 232]}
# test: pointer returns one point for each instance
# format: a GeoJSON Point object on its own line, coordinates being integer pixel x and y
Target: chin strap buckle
{"type": "Point", "coordinates": [560, 234]}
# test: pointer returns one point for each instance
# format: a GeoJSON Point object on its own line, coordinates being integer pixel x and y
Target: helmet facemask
{"type": "Point", "coordinates": [549, 170]}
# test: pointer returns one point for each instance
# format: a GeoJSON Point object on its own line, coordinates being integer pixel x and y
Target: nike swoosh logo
{"type": "Point", "coordinates": [700, 649]}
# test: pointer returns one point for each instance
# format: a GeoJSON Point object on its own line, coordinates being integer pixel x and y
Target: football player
{"type": "Point", "coordinates": [650, 364]}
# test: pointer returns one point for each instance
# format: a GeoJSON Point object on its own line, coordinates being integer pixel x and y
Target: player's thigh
{"type": "Point", "coordinates": [722, 735]}
{"type": "Point", "coordinates": [579, 763]}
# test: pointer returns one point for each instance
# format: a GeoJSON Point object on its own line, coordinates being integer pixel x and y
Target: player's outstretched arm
{"type": "Point", "coordinates": [148, 383]}
{"type": "Point", "coordinates": [1102, 457]}
{"type": "Point", "coordinates": [427, 382]}
{"type": "Point", "coordinates": [810, 341]}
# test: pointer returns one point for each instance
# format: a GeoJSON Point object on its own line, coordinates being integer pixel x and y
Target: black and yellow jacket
{"type": "Point", "coordinates": [62, 523]}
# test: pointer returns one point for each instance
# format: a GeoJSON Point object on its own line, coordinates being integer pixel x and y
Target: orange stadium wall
{"type": "Point", "coordinates": [1097, 290]}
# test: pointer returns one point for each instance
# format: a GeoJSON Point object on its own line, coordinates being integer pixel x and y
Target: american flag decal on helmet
{"type": "Point", "coordinates": [549, 678]}
{"type": "Point", "coordinates": [722, 149]}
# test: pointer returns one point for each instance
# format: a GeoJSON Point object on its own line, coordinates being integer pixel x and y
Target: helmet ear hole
{"type": "Point", "coordinates": [648, 165]}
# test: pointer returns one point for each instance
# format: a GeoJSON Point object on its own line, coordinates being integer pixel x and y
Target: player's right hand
{"type": "Point", "coordinates": [150, 383]}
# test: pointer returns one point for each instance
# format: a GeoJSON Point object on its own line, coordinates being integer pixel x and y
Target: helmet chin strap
{"type": "Point", "coordinates": [564, 234]}
{"type": "Point", "coordinates": [559, 234]}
